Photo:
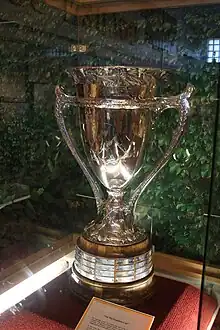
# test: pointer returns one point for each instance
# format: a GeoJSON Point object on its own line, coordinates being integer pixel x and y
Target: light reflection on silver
{"type": "Point", "coordinates": [116, 108]}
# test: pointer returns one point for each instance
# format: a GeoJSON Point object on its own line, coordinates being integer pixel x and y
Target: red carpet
{"type": "Point", "coordinates": [29, 321]}
{"type": "Point", "coordinates": [174, 305]}
{"type": "Point", "coordinates": [184, 313]}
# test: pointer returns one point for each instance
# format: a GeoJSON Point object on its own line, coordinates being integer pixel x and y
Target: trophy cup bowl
{"type": "Point", "coordinates": [116, 109]}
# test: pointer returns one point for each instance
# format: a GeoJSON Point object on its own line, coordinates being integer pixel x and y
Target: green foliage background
{"type": "Point", "coordinates": [32, 152]}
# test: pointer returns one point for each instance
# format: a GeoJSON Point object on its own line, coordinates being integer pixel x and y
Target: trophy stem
{"type": "Point", "coordinates": [115, 211]}
{"type": "Point", "coordinates": [116, 224]}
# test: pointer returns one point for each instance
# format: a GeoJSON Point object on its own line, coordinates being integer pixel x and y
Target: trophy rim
{"type": "Point", "coordinates": [126, 75]}
{"type": "Point", "coordinates": [147, 68]}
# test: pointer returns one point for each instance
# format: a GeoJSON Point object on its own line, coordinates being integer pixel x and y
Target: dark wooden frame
{"type": "Point", "coordinates": [90, 7]}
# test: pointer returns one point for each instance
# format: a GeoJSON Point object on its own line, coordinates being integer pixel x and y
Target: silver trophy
{"type": "Point", "coordinates": [116, 109]}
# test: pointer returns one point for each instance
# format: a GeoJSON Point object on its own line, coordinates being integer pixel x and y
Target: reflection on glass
{"type": "Point", "coordinates": [34, 160]}
{"type": "Point", "coordinates": [213, 50]}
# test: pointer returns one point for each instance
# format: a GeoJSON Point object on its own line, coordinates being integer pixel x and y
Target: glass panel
{"type": "Point", "coordinates": [177, 200]}
{"type": "Point", "coordinates": [44, 195]}
{"type": "Point", "coordinates": [211, 251]}
{"type": "Point", "coordinates": [39, 203]}
{"type": "Point", "coordinates": [179, 195]}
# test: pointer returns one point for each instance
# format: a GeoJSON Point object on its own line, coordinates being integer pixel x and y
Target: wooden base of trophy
{"type": "Point", "coordinates": [136, 258]}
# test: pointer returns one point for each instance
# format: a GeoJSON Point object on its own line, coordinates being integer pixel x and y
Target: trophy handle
{"type": "Point", "coordinates": [179, 102]}
{"type": "Point", "coordinates": [62, 100]}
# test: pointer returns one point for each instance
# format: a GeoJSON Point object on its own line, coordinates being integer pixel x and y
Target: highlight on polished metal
{"type": "Point", "coordinates": [116, 109]}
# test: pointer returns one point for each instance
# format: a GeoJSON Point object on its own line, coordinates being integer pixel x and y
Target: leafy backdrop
{"type": "Point", "coordinates": [35, 162]}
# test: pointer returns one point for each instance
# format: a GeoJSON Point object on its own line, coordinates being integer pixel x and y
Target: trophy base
{"type": "Point", "coordinates": [129, 294]}
{"type": "Point", "coordinates": [121, 274]}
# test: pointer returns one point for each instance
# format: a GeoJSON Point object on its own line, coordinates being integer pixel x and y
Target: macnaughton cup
{"type": "Point", "coordinates": [116, 108]}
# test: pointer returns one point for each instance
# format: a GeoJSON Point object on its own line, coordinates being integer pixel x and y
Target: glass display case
{"type": "Point", "coordinates": [46, 200]}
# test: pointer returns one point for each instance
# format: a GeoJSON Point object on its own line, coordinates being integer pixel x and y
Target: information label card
{"type": "Point", "coordinates": [103, 315]}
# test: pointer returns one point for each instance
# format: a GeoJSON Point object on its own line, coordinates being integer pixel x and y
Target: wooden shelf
{"type": "Point", "coordinates": [185, 268]}
{"type": "Point", "coordinates": [92, 7]}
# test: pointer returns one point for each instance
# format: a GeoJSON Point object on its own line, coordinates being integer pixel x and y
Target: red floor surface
{"type": "Point", "coordinates": [29, 321]}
